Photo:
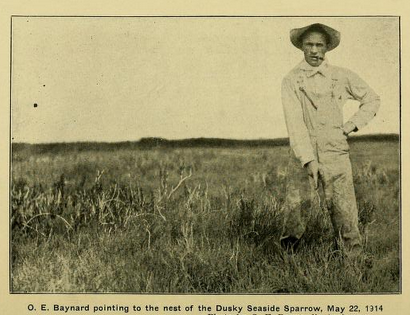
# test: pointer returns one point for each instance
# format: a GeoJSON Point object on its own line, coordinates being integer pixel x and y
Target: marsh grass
{"type": "Point", "coordinates": [200, 220]}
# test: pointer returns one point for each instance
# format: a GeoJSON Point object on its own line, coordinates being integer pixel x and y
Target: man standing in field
{"type": "Point", "coordinates": [313, 95]}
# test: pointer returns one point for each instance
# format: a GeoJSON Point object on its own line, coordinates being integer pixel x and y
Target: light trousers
{"type": "Point", "coordinates": [335, 175]}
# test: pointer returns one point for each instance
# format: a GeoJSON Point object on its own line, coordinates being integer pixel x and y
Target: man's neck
{"type": "Point", "coordinates": [306, 66]}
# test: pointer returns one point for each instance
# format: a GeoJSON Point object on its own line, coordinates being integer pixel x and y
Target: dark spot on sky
{"type": "Point", "coordinates": [44, 85]}
{"type": "Point", "coordinates": [35, 105]}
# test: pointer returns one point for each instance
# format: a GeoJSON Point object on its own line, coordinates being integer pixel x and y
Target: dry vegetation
{"type": "Point", "coordinates": [193, 220]}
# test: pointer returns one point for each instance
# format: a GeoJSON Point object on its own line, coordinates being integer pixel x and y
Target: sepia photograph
{"type": "Point", "coordinates": [205, 155]}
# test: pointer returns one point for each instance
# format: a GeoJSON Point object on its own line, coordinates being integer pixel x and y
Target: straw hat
{"type": "Point", "coordinates": [333, 36]}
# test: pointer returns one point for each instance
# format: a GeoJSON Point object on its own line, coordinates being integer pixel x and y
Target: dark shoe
{"type": "Point", "coordinates": [290, 243]}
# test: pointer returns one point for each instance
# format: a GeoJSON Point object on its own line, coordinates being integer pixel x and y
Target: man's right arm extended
{"type": "Point", "coordinates": [295, 124]}
{"type": "Point", "coordinates": [298, 134]}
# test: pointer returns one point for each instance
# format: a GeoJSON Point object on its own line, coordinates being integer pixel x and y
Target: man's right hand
{"type": "Point", "coordinates": [313, 171]}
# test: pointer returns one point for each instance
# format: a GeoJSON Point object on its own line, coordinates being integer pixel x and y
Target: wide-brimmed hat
{"type": "Point", "coordinates": [333, 35]}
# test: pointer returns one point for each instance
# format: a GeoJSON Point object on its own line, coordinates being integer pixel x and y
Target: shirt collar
{"type": "Point", "coordinates": [311, 71]}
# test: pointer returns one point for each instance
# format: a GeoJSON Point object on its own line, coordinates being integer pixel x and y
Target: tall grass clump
{"type": "Point", "coordinates": [181, 220]}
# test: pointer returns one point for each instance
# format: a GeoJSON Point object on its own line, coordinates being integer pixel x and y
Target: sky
{"type": "Point", "coordinates": [124, 78]}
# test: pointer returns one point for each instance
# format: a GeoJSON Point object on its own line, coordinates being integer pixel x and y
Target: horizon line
{"type": "Point", "coordinates": [186, 139]}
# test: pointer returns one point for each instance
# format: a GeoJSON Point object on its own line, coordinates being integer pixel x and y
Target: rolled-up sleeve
{"type": "Point", "coordinates": [298, 134]}
{"type": "Point", "coordinates": [369, 101]}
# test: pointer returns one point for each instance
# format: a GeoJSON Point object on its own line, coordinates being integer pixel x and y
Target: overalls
{"type": "Point", "coordinates": [323, 117]}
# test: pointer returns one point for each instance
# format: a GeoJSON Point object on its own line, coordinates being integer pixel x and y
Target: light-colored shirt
{"type": "Point", "coordinates": [313, 99]}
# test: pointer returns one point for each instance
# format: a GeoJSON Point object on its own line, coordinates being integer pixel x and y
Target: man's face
{"type": "Point", "coordinates": [314, 47]}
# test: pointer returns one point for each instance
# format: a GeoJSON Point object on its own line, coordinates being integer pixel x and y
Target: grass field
{"type": "Point", "coordinates": [117, 221]}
